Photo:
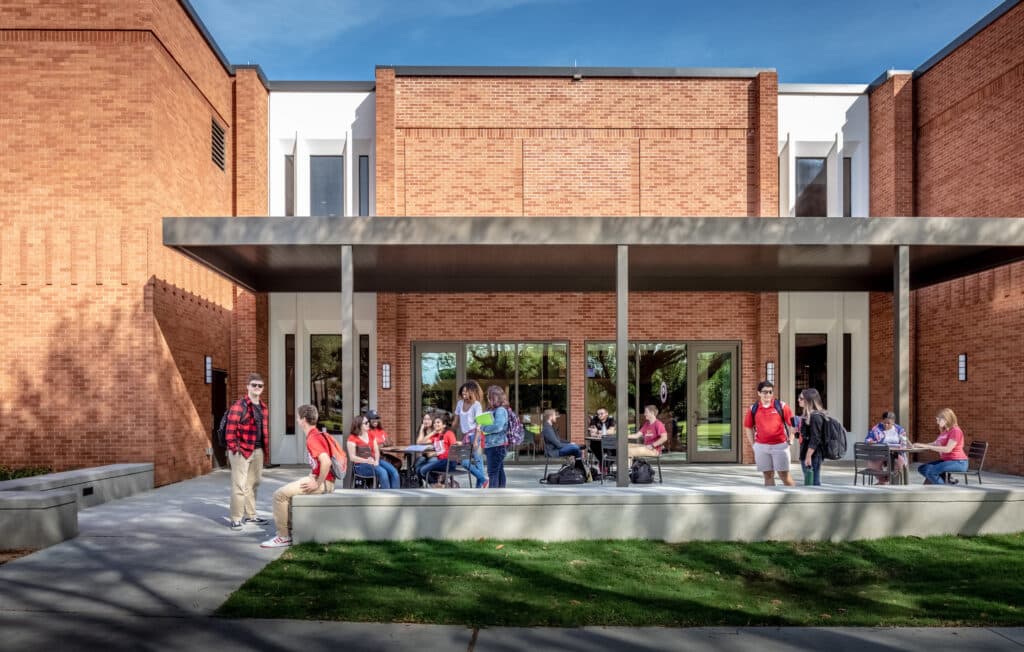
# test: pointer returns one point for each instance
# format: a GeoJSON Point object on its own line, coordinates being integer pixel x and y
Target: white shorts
{"type": "Point", "coordinates": [772, 457]}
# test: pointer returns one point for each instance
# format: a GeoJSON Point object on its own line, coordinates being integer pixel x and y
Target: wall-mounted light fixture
{"type": "Point", "coordinates": [385, 376]}
{"type": "Point", "coordinates": [208, 369]}
{"type": "Point", "coordinates": [961, 367]}
{"type": "Point", "coordinates": [769, 372]}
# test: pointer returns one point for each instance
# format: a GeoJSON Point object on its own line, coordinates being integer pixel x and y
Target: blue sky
{"type": "Point", "coordinates": [826, 41]}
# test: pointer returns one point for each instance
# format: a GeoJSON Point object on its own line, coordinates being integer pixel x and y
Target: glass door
{"type": "Point", "coordinates": [712, 430]}
{"type": "Point", "coordinates": [438, 368]}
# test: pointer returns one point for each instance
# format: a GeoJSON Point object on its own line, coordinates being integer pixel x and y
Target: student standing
{"type": "Point", "coordinates": [496, 437]}
{"type": "Point", "coordinates": [467, 410]}
{"type": "Point", "coordinates": [247, 435]}
{"type": "Point", "coordinates": [768, 433]}
{"type": "Point", "coordinates": [812, 434]}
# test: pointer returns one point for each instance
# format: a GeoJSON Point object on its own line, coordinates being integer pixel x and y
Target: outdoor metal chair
{"type": "Point", "coordinates": [363, 481]}
{"type": "Point", "coordinates": [457, 454]}
{"type": "Point", "coordinates": [529, 441]}
{"type": "Point", "coordinates": [867, 455]}
{"type": "Point", "coordinates": [975, 460]}
{"type": "Point", "coordinates": [547, 461]}
{"type": "Point", "coordinates": [609, 454]}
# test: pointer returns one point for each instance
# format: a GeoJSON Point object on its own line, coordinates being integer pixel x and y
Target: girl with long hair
{"type": "Point", "coordinates": [467, 410]}
{"type": "Point", "coordinates": [812, 431]}
{"type": "Point", "coordinates": [496, 437]}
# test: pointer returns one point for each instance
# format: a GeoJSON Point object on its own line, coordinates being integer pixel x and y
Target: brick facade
{"type": "Point", "coordinates": [106, 129]}
{"type": "Point", "coordinates": [558, 147]}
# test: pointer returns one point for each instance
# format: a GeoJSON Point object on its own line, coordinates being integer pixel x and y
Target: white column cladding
{"type": "Point", "coordinates": [787, 178]}
{"type": "Point", "coordinates": [834, 181]}
{"type": "Point", "coordinates": [901, 333]}
{"type": "Point", "coordinates": [351, 187]}
{"type": "Point", "coordinates": [349, 349]}
{"type": "Point", "coordinates": [301, 175]}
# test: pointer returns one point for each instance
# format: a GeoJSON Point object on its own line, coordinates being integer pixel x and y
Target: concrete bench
{"type": "Point", "coordinates": [42, 510]}
{"type": "Point", "coordinates": [657, 512]}
{"type": "Point", "coordinates": [37, 519]}
{"type": "Point", "coordinates": [92, 486]}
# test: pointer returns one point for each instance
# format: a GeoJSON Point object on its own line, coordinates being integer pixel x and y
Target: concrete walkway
{"type": "Point", "coordinates": [147, 572]}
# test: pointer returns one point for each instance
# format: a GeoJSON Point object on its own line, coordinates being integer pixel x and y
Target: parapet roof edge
{"type": "Point", "coordinates": [228, 66]}
{"type": "Point", "coordinates": [570, 71]}
{"type": "Point", "coordinates": [967, 35]}
{"type": "Point", "coordinates": [823, 89]}
{"type": "Point", "coordinates": [299, 86]}
{"type": "Point", "coordinates": [884, 77]}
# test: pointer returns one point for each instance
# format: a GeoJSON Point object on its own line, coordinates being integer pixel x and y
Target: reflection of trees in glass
{"type": "Point", "coordinates": [325, 379]}
{"type": "Point", "coordinates": [492, 364]}
{"type": "Point", "coordinates": [437, 380]}
{"type": "Point", "coordinates": [542, 378]}
{"type": "Point", "coordinates": [714, 392]}
{"type": "Point", "coordinates": [665, 363]}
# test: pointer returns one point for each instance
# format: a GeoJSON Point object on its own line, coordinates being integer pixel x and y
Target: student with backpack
{"type": "Point", "coordinates": [812, 434]}
{"type": "Point", "coordinates": [496, 437]}
{"type": "Point", "coordinates": [769, 418]}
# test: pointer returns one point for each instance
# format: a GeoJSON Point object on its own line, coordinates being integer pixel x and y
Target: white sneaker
{"type": "Point", "coordinates": [277, 542]}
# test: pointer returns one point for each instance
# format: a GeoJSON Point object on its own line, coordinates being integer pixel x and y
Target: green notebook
{"type": "Point", "coordinates": [485, 419]}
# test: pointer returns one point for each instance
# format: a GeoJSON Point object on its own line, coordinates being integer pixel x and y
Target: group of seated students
{"type": "Point", "coordinates": [949, 445]}
{"type": "Point", "coordinates": [652, 435]}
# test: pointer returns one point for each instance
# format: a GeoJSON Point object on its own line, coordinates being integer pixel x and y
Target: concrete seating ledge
{"type": "Point", "coordinates": [42, 510]}
{"type": "Point", "coordinates": [660, 513]}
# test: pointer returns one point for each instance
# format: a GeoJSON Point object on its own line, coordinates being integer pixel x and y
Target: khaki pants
{"type": "Point", "coordinates": [283, 503]}
{"type": "Point", "coordinates": [245, 477]}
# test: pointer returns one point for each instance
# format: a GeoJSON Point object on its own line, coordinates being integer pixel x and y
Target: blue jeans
{"type": "Point", "coordinates": [815, 469]}
{"type": "Point", "coordinates": [496, 466]}
{"type": "Point", "coordinates": [570, 449]}
{"type": "Point", "coordinates": [932, 471]}
{"type": "Point", "coordinates": [383, 481]}
{"type": "Point", "coordinates": [476, 467]}
{"type": "Point", "coordinates": [392, 473]}
{"type": "Point", "coordinates": [435, 466]}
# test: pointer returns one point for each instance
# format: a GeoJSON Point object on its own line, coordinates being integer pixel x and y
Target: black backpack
{"type": "Point", "coordinates": [833, 436]}
{"type": "Point", "coordinates": [222, 430]}
{"type": "Point", "coordinates": [568, 474]}
{"type": "Point", "coordinates": [641, 472]}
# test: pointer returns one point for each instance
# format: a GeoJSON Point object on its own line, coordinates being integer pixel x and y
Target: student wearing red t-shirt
{"type": "Point", "coordinates": [949, 445]}
{"type": "Point", "coordinates": [319, 448]}
{"type": "Point", "coordinates": [442, 439]}
{"type": "Point", "coordinates": [771, 442]}
{"type": "Point", "coordinates": [381, 439]}
{"type": "Point", "coordinates": [653, 434]}
{"type": "Point", "coordinates": [369, 463]}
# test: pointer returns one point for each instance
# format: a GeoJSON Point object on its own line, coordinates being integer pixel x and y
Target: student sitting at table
{"type": "Point", "coordinates": [890, 433]}
{"type": "Point", "coordinates": [553, 445]}
{"type": "Point", "coordinates": [949, 445]}
{"type": "Point", "coordinates": [423, 438]}
{"type": "Point", "coordinates": [653, 434]}
{"type": "Point", "coordinates": [359, 438]}
{"type": "Point", "coordinates": [387, 462]}
{"type": "Point", "coordinates": [442, 439]}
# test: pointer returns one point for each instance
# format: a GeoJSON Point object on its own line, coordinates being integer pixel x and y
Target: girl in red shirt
{"type": "Point", "coordinates": [950, 446]}
{"type": "Point", "coordinates": [442, 439]}
{"type": "Point", "coordinates": [367, 464]}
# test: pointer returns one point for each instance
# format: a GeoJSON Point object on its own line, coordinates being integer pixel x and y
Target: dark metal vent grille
{"type": "Point", "coordinates": [217, 144]}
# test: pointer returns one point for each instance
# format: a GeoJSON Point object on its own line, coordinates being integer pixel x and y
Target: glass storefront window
{"type": "Point", "coordinates": [811, 187]}
{"type": "Point", "coordinates": [662, 383]}
{"type": "Point", "coordinates": [493, 364]}
{"type": "Point", "coordinates": [325, 380]}
{"type": "Point", "coordinates": [543, 384]}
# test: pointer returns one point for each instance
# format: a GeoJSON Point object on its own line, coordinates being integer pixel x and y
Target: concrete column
{"type": "Point", "coordinates": [349, 402]}
{"type": "Point", "coordinates": [351, 187]}
{"type": "Point", "coordinates": [834, 178]}
{"type": "Point", "coordinates": [622, 364]}
{"type": "Point", "coordinates": [901, 333]}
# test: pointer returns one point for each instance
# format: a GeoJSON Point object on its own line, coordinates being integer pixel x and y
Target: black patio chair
{"type": "Point", "coordinates": [457, 454]}
{"type": "Point", "coordinates": [609, 454]}
{"type": "Point", "coordinates": [530, 442]}
{"type": "Point", "coordinates": [867, 455]}
{"type": "Point", "coordinates": [975, 460]}
{"type": "Point", "coordinates": [363, 481]}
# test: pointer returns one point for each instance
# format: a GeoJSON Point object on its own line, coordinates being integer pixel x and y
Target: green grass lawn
{"type": "Point", "coordinates": [940, 581]}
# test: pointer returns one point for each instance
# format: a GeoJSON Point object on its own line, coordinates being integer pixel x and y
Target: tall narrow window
{"type": "Point", "coordinates": [289, 384]}
{"type": "Point", "coordinates": [847, 190]}
{"type": "Point", "coordinates": [364, 184]}
{"type": "Point", "coordinates": [364, 372]}
{"type": "Point", "coordinates": [812, 363]}
{"type": "Point", "coordinates": [811, 187]}
{"type": "Point", "coordinates": [847, 376]}
{"type": "Point", "coordinates": [289, 185]}
{"type": "Point", "coordinates": [326, 186]}
{"type": "Point", "coordinates": [325, 380]}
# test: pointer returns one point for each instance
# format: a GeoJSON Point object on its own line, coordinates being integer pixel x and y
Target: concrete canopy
{"type": "Point", "coordinates": [536, 254]}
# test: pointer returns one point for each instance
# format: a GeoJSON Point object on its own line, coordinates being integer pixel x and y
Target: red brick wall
{"type": "Point", "coordinates": [563, 317]}
{"type": "Point", "coordinates": [106, 129]}
{"type": "Point", "coordinates": [594, 147]}
{"type": "Point", "coordinates": [970, 150]}
{"type": "Point", "coordinates": [892, 148]}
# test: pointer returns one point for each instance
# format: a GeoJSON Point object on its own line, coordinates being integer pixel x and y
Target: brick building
{"type": "Point", "coordinates": [124, 113]}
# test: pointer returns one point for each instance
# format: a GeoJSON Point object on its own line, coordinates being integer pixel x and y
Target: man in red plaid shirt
{"type": "Point", "coordinates": [247, 435]}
